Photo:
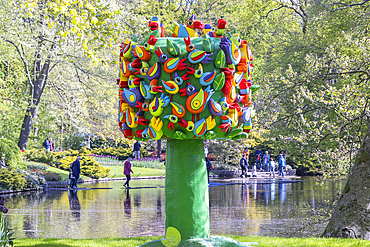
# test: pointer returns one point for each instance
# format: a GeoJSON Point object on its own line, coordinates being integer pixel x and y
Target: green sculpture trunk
{"type": "Point", "coordinates": [187, 201]}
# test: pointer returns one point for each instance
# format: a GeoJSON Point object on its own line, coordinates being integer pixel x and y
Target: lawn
{"type": "Point", "coordinates": [137, 241]}
{"type": "Point", "coordinates": [117, 171]}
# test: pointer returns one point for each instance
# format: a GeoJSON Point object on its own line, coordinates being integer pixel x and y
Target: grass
{"type": "Point", "coordinates": [137, 241]}
{"type": "Point", "coordinates": [117, 171]}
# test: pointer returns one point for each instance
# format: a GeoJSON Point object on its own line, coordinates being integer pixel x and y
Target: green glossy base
{"type": "Point", "coordinates": [200, 242]}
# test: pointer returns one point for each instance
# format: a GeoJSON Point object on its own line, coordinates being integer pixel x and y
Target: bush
{"type": "Point", "coordinates": [33, 179]}
{"type": "Point", "coordinates": [38, 167]}
{"type": "Point", "coordinates": [39, 155]}
{"type": "Point", "coordinates": [89, 166]}
{"type": "Point", "coordinates": [51, 176]}
{"type": "Point", "coordinates": [10, 153]}
{"type": "Point", "coordinates": [10, 180]}
{"type": "Point", "coordinates": [121, 152]}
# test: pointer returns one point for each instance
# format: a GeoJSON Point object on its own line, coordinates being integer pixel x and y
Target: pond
{"type": "Point", "coordinates": [263, 208]}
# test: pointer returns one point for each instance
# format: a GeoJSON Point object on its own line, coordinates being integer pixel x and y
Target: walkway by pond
{"type": "Point", "coordinates": [257, 208]}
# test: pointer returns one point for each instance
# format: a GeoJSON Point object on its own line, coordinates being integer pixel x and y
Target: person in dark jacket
{"type": "Point", "coordinates": [243, 166]}
{"type": "Point", "coordinates": [209, 167]}
{"type": "Point", "coordinates": [46, 145]}
{"type": "Point", "coordinates": [282, 164]}
{"type": "Point", "coordinates": [259, 154]}
{"type": "Point", "coordinates": [137, 146]}
{"type": "Point", "coordinates": [76, 170]}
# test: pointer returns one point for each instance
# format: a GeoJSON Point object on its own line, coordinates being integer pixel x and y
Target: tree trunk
{"type": "Point", "coordinates": [187, 210]}
{"type": "Point", "coordinates": [187, 201]}
{"type": "Point", "coordinates": [351, 217]}
{"type": "Point", "coordinates": [27, 126]}
{"type": "Point", "coordinates": [41, 77]}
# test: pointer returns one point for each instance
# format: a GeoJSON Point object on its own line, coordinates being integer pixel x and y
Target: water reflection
{"type": "Point", "coordinates": [255, 208]}
{"type": "Point", "coordinates": [74, 204]}
{"type": "Point", "coordinates": [127, 204]}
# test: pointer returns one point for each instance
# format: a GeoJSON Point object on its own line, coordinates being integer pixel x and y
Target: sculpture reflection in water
{"type": "Point", "coordinates": [74, 204]}
{"type": "Point", "coordinates": [127, 204]}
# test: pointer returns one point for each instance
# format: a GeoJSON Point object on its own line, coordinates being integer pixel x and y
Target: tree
{"type": "Point", "coordinates": [46, 35]}
{"type": "Point", "coordinates": [319, 104]}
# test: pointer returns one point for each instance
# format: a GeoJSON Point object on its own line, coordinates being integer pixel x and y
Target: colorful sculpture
{"type": "Point", "coordinates": [186, 89]}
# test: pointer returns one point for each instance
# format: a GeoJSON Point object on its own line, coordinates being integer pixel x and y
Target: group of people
{"type": "Point", "coordinates": [265, 161]}
{"type": "Point", "coordinates": [48, 144]}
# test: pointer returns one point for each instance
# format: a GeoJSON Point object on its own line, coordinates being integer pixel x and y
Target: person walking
{"type": "Point", "coordinates": [258, 154]}
{"type": "Point", "coordinates": [46, 145]}
{"type": "Point", "coordinates": [266, 160]}
{"type": "Point", "coordinates": [127, 171]}
{"type": "Point", "coordinates": [243, 166]}
{"type": "Point", "coordinates": [76, 171]}
{"type": "Point", "coordinates": [209, 167]}
{"type": "Point", "coordinates": [137, 147]}
{"type": "Point", "coordinates": [254, 170]}
{"type": "Point", "coordinates": [272, 167]}
{"type": "Point", "coordinates": [282, 164]}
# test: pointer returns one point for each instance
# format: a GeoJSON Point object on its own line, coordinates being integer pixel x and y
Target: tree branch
{"type": "Point", "coordinates": [346, 6]}
{"type": "Point", "coordinates": [23, 60]}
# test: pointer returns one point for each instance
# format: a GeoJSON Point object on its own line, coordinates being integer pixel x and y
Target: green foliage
{"type": "Point", "coordinates": [6, 239]}
{"type": "Point", "coordinates": [33, 179]}
{"type": "Point", "coordinates": [39, 167]}
{"type": "Point", "coordinates": [51, 176]}
{"type": "Point", "coordinates": [10, 153]}
{"type": "Point", "coordinates": [74, 141]}
{"type": "Point", "coordinates": [39, 155]}
{"type": "Point", "coordinates": [84, 152]}
{"type": "Point", "coordinates": [121, 152]}
{"type": "Point", "coordinates": [89, 167]}
{"type": "Point", "coordinates": [10, 180]}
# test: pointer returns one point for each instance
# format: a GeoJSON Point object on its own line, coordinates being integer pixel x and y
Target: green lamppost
{"type": "Point", "coordinates": [186, 89]}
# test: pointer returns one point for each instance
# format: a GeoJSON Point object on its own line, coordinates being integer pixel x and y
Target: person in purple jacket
{"type": "Point", "coordinates": [127, 171]}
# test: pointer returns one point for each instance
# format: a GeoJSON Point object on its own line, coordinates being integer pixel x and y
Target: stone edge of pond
{"type": "Point", "coordinates": [18, 191]}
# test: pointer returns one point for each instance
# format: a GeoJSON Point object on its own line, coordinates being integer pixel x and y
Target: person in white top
{"type": "Point", "coordinates": [272, 167]}
{"type": "Point", "coordinates": [254, 170]}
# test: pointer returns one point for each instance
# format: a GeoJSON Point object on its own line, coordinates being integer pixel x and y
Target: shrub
{"type": "Point", "coordinates": [89, 167]}
{"type": "Point", "coordinates": [51, 176]}
{"type": "Point", "coordinates": [84, 152]}
{"type": "Point", "coordinates": [39, 155]}
{"type": "Point", "coordinates": [10, 180]}
{"type": "Point", "coordinates": [38, 167]}
{"type": "Point", "coordinates": [33, 179]}
{"type": "Point", "coordinates": [10, 153]}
